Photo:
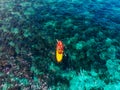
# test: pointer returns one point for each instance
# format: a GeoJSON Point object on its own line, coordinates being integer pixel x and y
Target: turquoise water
{"type": "Point", "coordinates": [88, 29]}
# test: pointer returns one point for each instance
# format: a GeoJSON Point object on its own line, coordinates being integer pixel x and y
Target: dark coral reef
{"type": "Point", "coordinates": [89, 30]}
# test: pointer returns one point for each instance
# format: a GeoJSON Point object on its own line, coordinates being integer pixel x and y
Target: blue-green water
{"type": "Point", "coordinates": [89, 30]}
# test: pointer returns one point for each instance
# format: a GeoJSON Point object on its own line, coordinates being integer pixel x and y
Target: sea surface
{"type": "Point", "coordinates": [30, 31]}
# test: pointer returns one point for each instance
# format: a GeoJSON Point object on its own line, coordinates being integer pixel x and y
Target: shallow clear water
{"type": "Point", "coordinates": [90, 36]}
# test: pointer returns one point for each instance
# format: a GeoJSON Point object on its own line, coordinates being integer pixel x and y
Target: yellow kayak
{"type": "Point", "coordinates": [59, 51]}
